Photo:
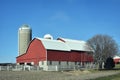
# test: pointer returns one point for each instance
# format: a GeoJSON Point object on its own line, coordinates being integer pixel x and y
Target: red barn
{"type": "Point", "coordinates": [116, 59]}
{"type": "Point", "coordinates": [57, 54]}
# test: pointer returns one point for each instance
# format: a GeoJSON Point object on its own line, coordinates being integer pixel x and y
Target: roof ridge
{"type": "Point", "coordinates": [72, 40]}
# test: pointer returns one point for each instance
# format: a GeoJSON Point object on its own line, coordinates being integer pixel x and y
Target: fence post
{"type": "Point", "coordinates": [37, 68]}
{"type": "Point", "coordinates": [7, 68]}
{"type": "Point", "coordinates": [0, 68]}
{"type": "Point", "coordinates": [56, 68]}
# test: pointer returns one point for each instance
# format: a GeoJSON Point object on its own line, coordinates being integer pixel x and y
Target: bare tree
{"type": "Point", "coordinates": [104, 46]}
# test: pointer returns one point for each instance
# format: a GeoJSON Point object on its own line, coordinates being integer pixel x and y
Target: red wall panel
{"type": "Point", "coordinates": [73, 56]}
{"type": "Point", "coordinates": [116, 61]}
{"type": "Point", "coordinates": [80, 56]}
{"type": "Point", "coordinates": [53, 55]}
{"type": "Point", "coordinates": [35, 53]}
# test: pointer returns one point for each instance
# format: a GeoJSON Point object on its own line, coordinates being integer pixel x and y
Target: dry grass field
{"type": "Point", "coordinates": [42, 75]}
{"type": "Point", "coordinates": [112, 77]}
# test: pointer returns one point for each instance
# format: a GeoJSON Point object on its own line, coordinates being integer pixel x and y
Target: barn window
{"type": "Point", "coordinates": [29, 64]}
{"type": "Point", "coordinates": [67, 63]}
{"type": "Point", "coordinates": [42, 62]}
{"type": "Point", "coordinates": [59, 63]}
{"type": "Point", "coordinates": [50, 62]}
{"type": "Point", "coordinates": [78, 63]}
{"type": "Point", "coordinates": [75, 63]}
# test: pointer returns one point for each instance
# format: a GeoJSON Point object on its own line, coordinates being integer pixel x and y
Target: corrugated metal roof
{"type": "Point", "coordinates": [68, 45]}
{"type": "Point", "coordinates": [116, 57]}
{"type": "Point", "coordinates": [54, 44]}
{"type": "Point", "coordinates": [77, 45]}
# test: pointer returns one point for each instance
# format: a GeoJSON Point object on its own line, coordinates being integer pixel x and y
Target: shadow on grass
{"type": "Point", "coordinates": [114, 69]}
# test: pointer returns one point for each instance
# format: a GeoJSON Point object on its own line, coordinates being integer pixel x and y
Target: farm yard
{"type": "Point", "coordinates": [92, 74]}
{"type": "Point", "coordinates": [63, 75]}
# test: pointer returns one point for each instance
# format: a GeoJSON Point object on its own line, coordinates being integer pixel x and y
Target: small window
{"type": "Point", "coordinates": [75, 63]}
{"type": "Point", "coordinates": [59, 63]}
{"type": "Point", "coordinates": [42, 62]}
{"type": "Point", "coordinates": [50, 62]}
{"type": "Point", "coordinates": [78, 63]}
{"type": "Point", "coordinates": [67, 63]}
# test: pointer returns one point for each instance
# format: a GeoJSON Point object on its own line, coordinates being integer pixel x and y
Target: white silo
{"type": "Point", "coordinates": [24, 38]}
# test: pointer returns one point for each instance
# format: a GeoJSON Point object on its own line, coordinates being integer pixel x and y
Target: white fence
{"type": "Point", "coordinates": [47, 68]}
{"type": "Point", "coordinates": [19, 68]}
{"type": "Point", "coordinates": [62, 68]}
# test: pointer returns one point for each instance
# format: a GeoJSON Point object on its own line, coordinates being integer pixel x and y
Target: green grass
{"type": "Point", "coordinates": [117, 66]}
{"type": "Point", "coordinates": [112, 77]}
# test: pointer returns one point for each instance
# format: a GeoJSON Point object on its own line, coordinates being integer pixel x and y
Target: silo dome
{"type": "Point", "coordinates": [25, 26]}
{"type": "Point", "coordinates": [48, 36]}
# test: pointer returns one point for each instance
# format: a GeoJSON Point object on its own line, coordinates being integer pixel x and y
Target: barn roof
{"type": "Point", "coordinates": [77, 44]}
{"type": "Point", "coordinates": [116, 57]}
{"type": "Point", "coordinates": [65, 44]}
{"type": "Point", "coordinates": [54, 44]}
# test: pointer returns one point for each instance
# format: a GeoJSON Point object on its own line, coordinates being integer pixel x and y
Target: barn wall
{"type": "Point", "coordinates": [81, 56]}
{"type": "Point", "coordinates": [53, 55]}
{"type": "Point", "coordinates": [116, 61]}
{"type": "Point", "coordinates": [73, 56]}
{"type": "Point", "coordinates": [35, 53]}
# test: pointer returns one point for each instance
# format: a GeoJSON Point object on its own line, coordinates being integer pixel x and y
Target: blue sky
{"type": "Point", "coordinates": [74, 19]}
